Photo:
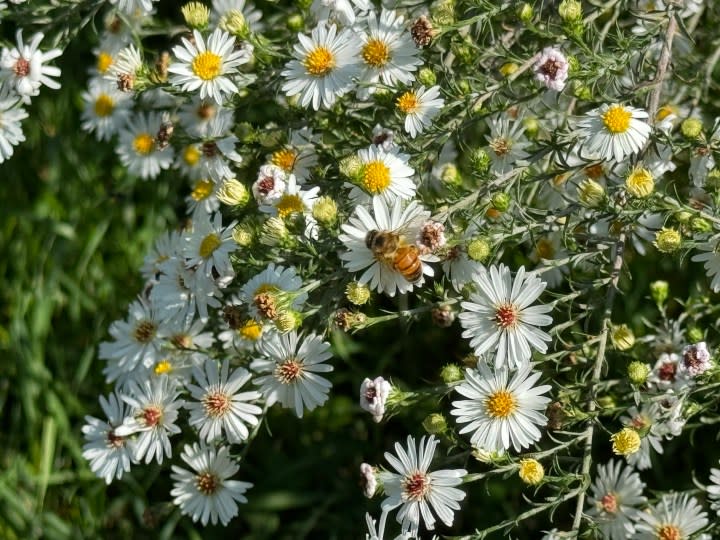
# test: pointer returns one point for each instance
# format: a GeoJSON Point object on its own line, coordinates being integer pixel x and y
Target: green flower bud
{"type": "Point", "coordinates": [691, 128]}
{"type": "Point", "coordinates": [581, 91]}
{"type": "Point", "coordinates": [501, 201]}
{"type": "Point", "coordinates": [480, 161]}
{"type": "Point", "coordinates": [479, 249]}
{"type": "Point", "coordinates": [443, 12]}
{"type": "Point", "coordinates": [622, 337]}
{"type": "Point", "coordinates": [640, 182]}
{"type": "Point", "coordinates": [325, 211]}
{"type": "Point", "coordinates": [234, 23]}
{"type": "Point", "coordinates": [695, 334]}
{"type": "Point", "coordinates": [427, 77]}
{"type": "Point", "coordinates": [700, 225]}
{"type": "Point", "coordinates": [683, 217]}
{"type": "Point", "coordinates": [287, 321]}
{"type": "Point", "coordinates": [570, 10]}
{"type": "Point", "coordinates": [606, 402]}
{"type": "Point", "coordinates": [357, 293]}
{"type": "Point", "coordinates": [464, 87]}
{"type": "Point", "coordinates": [508, 68]}
{"type": "Point", "coordinates": [532, 126]}
{"type": "Point", "coordinates": [196, 15]}
{"type": "Point", "coordinates": [242, 235]}
{"type": "Point", "coordinates": [659, 291]}
{"type": "Point", "coordinates": [525, 13]}
{"type": "Point", "coordinates": [667, 240]}
{"type": "Point", "coordinates": [590, 193]}
{"type": "Point", "coordinates": [295, 23]}
{"type": "Point", "coordinates": [275, 233]}
{"type": "Point", "coordinates": [451, 373]}
{"type": "Point", "coordinates": [351, 167]}
{"type": "Point", "coordinates": [450, 175]}
{"type": "Point", "coordinates": [435, 424]}
{"type": "Point", "coordinates": [638, 372]}
{"type": "Point", "coordinates": [233, 193]}
{"type": "Point", "coordinates": [303, 4]}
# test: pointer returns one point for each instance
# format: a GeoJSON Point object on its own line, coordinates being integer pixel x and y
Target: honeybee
{"type": "Point", "coordinates": [390, 248]}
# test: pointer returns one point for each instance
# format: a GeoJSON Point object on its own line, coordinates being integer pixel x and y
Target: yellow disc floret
{"type": "Point", "coordinates": [104, 62]}
{"type": "Point", "coordinates": [191, 155]}
{"type": "Point", "coordinates": [288, 205]}
{"type": "Point", "coordinates": [500, 404]}
{"type": "Point", "coordinates": [285, 159]}
{"type": "Point", "coordinates": [376, 53]}
{"type": "Point", "coordinates": [408, 103]}
{"type": "Point", "coordinates": [375, 177]}
{"type": "Point", "coordinates": [104, 105]}
{"type": "Point", "coordinates": [319, 62]}
{"type": "Point", "coordinates": [251, 330]}
{"type": "Point", "coordinates": [202, 190]}
{"type": "Point", "coordinates": [625, 442]}
{"type": "Point", "coordinates": [617, 119]}
{"type": "Point", "coordinates": [207, 65]}
{"type": "Point", "coordinates": [162, 367]}
{"type": "Point", "coordinates": [143, 144]}
{"type": "Point", "coordinates": [209, 244]}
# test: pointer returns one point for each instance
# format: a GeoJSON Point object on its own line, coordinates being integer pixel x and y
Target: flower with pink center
{"type": "Point", "coordinates": [676, 517]}
{"type": "Point", "coordinates": [269, 185]}
{"type": "Point", "coordinates": [695, 360]}
{"type": "Point", "coordinates": [373, 395]}
{"type": "Point", "coordinates": [22, 67]}
{"type": "Point", "coordinates": [551, 69]}
{"type": "Point", "coordinates": [418, 492]}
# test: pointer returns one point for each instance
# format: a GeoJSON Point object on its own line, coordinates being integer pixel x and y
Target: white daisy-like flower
{"type": "Point", "coordinates": [106, 109]}
{"type": "Point", "coordinates": [188, 161]}
{"type": "Point", "coordinates": [711, 257]}
{"type": "Point", "coordinates": [208, 67]}
{"type": "Point", "coordinates": [293, 363]}
{"type": "Point", "coordinates": [197, 114]}
{"type": "Point", "coordinates": [383, 137]}
{"type": "Point", "coordinates": [206, 494]}
{"type": "Point", "coordinates": [203, 199]}
{"type": "Point", "coordinates": [298, 156]}
{"type": "Point", "coordinates": [644, 420]}
{"type": "Point", "coordinates": [126, 68]}
{"type": "Point", "coordinates": [270, 184]}
{"type": "Point", "coordinates": [138, 149]}
{"type": "Point", "coordinates": [501, 412]}
{"type": "Point", "coordinates": [551, 69]}
{"type": "Point", "coordinates": [383, 174]}
{"type": "Point", "coordinates": [24, 69]}
{"type": "Point", "coordinates": [238, 331]}
{"type": "Point", "coordinates": [418, 492]}
{"type": "Point", "coordinates": [614, 131]}
{"type": "Point", "coordinates": [133, 6]}
{"type": "Point", "coordinates": [507, 143]}
{"type": "Point", "coordinates": [345, 11]}
{"type": "Point", "coordinates": [324, 66]}
{"type": "Point", "coordinates": [695, 360]}
{"type": "Point", "coordinates": [11, 133]}
{"type": "Point", "coordinates": [676, 516]}
{"type": "Point", "coordinates": [381, 246]}
{"type": "Point", "coordinates": [713, 490]}
{"type": "Point", "coordinates": [373, 396]}
{"type": "Point", "coordinates": [665, 374]}
{"type": "Point", "coordinates": [419, 107]}
{"type": "Point", "coordinates": [110, 455]}
{"type": "Point", "coordinates": [219, 407]}
{"type": "Point", "coordinates": [615, 496]}
{"type": "Point", "coordinates": [293, 201]}
{"type": "Point", "coordinates": [500, 319]}
{"type": "Point", "coordinates": [225, 13]}
{"type": "Point", "coordinates": [154, 409]}
{"type": "Point", "coordinates": [208, 247]}
{"type": "Point", "coordinates": [388, 52]}
{"type": "Point", "coordinates": [218, 149]}
{"type": "Point", "coordinates": [273, 288]}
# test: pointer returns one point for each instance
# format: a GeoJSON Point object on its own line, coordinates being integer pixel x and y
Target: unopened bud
{"type": "Point", "coordinates": [233, 193]}
{"type": "Point", "coordinates": [480, 161]}
{"type": "Point", "coordinates": [638, 372]}
{"type": "Point", "coordinates": [325, 211]}
{"type": "Point", "coordinates": [525, 12]}
{"type": "Point", "coordinates": [287, 320]}
{"type": "Point", "coordinates": [479, 249]}
{"type": "Point", "coordinates": [695, 334]}
{"type": "Point", "coordinates": [295, 23]}
{"type": "Point", "coordinates": [450, 175]}
{"type": "Point", "coordinates": [242, 235]}
{"type": "Point", "coordinates": [357, 293]}
{"type": "Point", "coordinates": [531, 471]}
{"type": "Point", "coordinates": [501, 201]}
{"type": "Point", "coordinates": [659, 291]}
{"type": "Point", "coordinates": [590, 193]}
{"type": "Point", "coordinates": [451, 373]}
{"type": "Point", "coordinates": [667, 240]}
{"type": "Point", "coordinates": [351, 167]}
{"type": "Point", "coordinates": [508, 68]}
{"type": "Point", "coordinates": [196, 15]}
{"type": "Point", "coordinates": [622, 337]}
{"type": "Point", "coordinates": [234, 23]}
{"type": "Point", "coordinates": [435, 424]}
{"type": "Point", "coordinates": [700, 225]}
{"type": "Point", "coordinates": [570, 10]}
{"type": "Point", "coordinates": [427, 77]}
{"type": "Point", "coordinates": [691, 128]}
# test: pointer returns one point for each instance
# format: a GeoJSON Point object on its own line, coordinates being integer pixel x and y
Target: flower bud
{"type": "Point", "coordinates": [357, 293]}
{"type": "Point", "coordinates": [233, 193]}
{"type": "Point", "coordinates": [532, 126]}
{"type": "Point", "coordinates": [443, 12]}
{"type": "Point", "coordinates": [450, 175]}
{"type": "Point", "coordinates": [242, 235]}
{"type": "Point", "coordinates": [274, 232]}
{"type": "Point", "coordinates": [501, 201]}
{"type": "Point", "coordinates": [700, 225]}
{"type": "Point", "coordinates": [638, 372]}
{"type": "Point", "coordinates": [373, 396]}
{"type": "Point", "coordinates": [451, 373]}
{"type": "Point", "coordinates": [590, 193]}
{"type": "Point", "coordinates": [667, 240]}
{"type": "Point", "coordinates": [625, 442]}
{"type": "Point", "coordinates": [606, 402]}
{"type": "Point", "coordinates": [659, 291]}
{"type": "Point", "coordinates": [427, 77]}
{"type": "Point", "coordinates": [464, 52]}
{"type": "Point", "coordinates": [508, 68]}
{"type": "Point", "coordinates": [683, 216]}
{"type": "Point", "coordinates": [570, 10]}
{"type": "Point", "coordinates": [325, 211]}
{"type": "Point", "coordinates": [479, 161]}
{"type": "Point", "coordinates": [695, 334]}
{"type": "Point", "coordinates": [443, 316]}
{"type": "Point", "coordinates": [287, 320]}
{"type": "Point", "coordinates": [295, 23]}
{"type": "Point", "coordinates": [525, 12]}
{"type": "Point", "coordinates": [479, 249]}
{"type": "Point", "coordinates": [622, 337]}
{"type": "Point", "coordinates": [691, 128]}
{"type": "Point", "coordinates": [351, 167]}
{"type": "Point", "coordinates": [234, 23]}
{"type": "Point", "coordinates": [531, 471]}
{"type": "Point", "coordinates": [196, 15]}
{"type": "Point", "coordinates": [640, 182]}
{"type": "Point", "coordinates": [435, 424]}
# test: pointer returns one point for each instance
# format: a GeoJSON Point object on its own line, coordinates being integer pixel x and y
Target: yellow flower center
{"type": "Point", "coordinates": [104, 105]}
{"type": "Point", "coordinates": [375, 177]}
{"type": "Point", "coordinates": [625, 442]}
{"type": "Point", "coordinates": [104, 62]}
{"type": "Point", "coordinates": [285, 159]}
{"type": "Point", "coordinates": [319, 62]}
{"type": "Point", "coordinates": [207, 65]}
{"type": "Point", "coordinates": [162, 367]}
{"type": "Point", "coordinates": [544, 249]}
{"type": "Point", "coordinates": [202, 190]}
{"type": "Point", "coordinates": [501, 404]}
{"type": "Point", "coordinates": [531, 471]}
{"type": "Point", "coordinates": [289, 204]}
{"type": "Point", "coordinates": [209, 244]}
{"type": "Point", "coordinates": [408, 103]}
{"type": "Point", "coordinates": [376, 53]}
{"type": "Point", "coordinates": [501, 146]}
{"type": "Point", "coordinates": [640, 182]}
{"type": "Point", "coordinates": [191, 155]}
{"type": "Point", "coordinates": [617, 119]}
{"type": "Point", "coordinates": [251, 330]}
{"type": "Point", "coordinates": [668, 532]}
{"type": "Point", "coordinates": [289, 371]}
{"type": "Point", "coordinates": [665, 111]}
{"type": "Point", "coordinates": [143, 144]}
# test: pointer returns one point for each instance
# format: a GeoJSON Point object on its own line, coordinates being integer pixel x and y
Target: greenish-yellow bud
{"type": "Point", "coordinates": [464, 87]}
{"type": "Point", "coordinates": [479, 249]}
{"type": "Point", "coordinates": [325, 211]}
{"type": "Point", "coordinates": [691, 128]}
{"type": "Point", "coordinates": [606, 402]}
{"type": "Point", "coordinates": [287, 320]}
{"type": "Point", "coordinates": [531, 471]}
{"type": "Point", "coordinates": [638, 372]}
{"type": "Point", "coordinates": [668, 240]}
{"type": "Point", "coordinates": [525, 12]}
{"type": "Point", "coordinates": [351, 167]}
{"type": "Point", "coordinates": [683, 216]}
{"type": "Point", "coordinates": [464, 53]}
{"type": "Point", "coordinates": [234, 23]}
{"type": "Point", "coordinates": [480, 161]}
{"type": "Point", "coordinates": [640, 182]}
{"type": "Point", "coordinates": [275, 233]}
{"type": "Point", "coordinates": [590, 193]}
{"type": "Point", "coordinates": [622, 337]}
{"type": "Point", "coordinates": [659, 291]}
{"type": "Point", "coordinates": [427, 77]}
{"type": "Point", "coordinates": [451, 175]}
{"type": "Point", "coordinates": [357, 293]}
{"type": "Point", "coordinates": [243, 235]}
{"type": "Point", "coordinates": [625, 442]}
{"type": "Point", "coordinates": [695, 334]}
{"type": "Point", "coordinates": [582, 91]}
{"type": "Point", "coordinates": [532, 126]}
{"type": "Point", "coordinates": [501, 201]}
{"type": "Point", "coordinates": [713, 179]}
{"type": "Point", "coordinates": [700, 225]}
{"type": "Point", "coordinates": [196, 15]}
{"type": "Point", "coordinates": [295, 23]}
{"type": "Point", "coordinates": [508, 68]}
{"type": "Point", "coordinates": [451, 373]}
{"type": "Point", "coordinates": [570, 10]}
{"type": "Point", "coordinates": [443, 12]}
{"type": "Point", "coordinates": [233, 193]}
{"type": "Point", "coordinates": [435, 424]}
{"type": "Point", "coordinates": [573, 64]}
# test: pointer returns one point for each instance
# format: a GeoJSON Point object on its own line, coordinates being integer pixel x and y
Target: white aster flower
{"type": "Point", "coordinates": [11, 133]}
{"type": "Point", "coordinates": [644, 421]}
{"type": "Point", "coordinates": [381, 246]}
{"type": "Point", "coordinates": [324, 67]}
{"type": "Point", "coordinates": [507, 143]}
{"type": "Point", "coordinates": [293, 363]}
{"type": "Point", "coordinates": [345, 11]}
{"type": "Point", "coordinates": [615, 496]}
{"type": "Point", "coordinates": [713, 490]}
{"type": "Point", "coordinates": [383, 137]}
{"type": "Point", "coordinates": [373, 396]}
{"type": "Point", "coordinates": [226, 11]}
{"type": "Point", "coordinates": [298, 156]}
{"type": "Point", "coordinates": [695, 360]}
{"type": "Point", "coordinates": [551, 69]}
{"type": "Point", "coordinates": [294, 201]}
{"type": "Point", "coordinates": [418, 492]}
{"type": "Point", "coordinates": [614, 131]}
{"type": "Point", "coordinates": [500, 319]}
{"type": "Point", "coordinates": [208, 67]}
{"type": "Point", "coordinates": [419, 107]}
{"type": "Point", "coordinates": [274, 288]}
{"type": "Point", "coordinates": [383, 174]}
{"type": "Point", "coordinates": [154, 410]}
{"type": "Point", "coordinates": [665, 374]}
{"type": "Point", "coordinates": [203, 199]}
{"type": "Point", "coordinates": [133, 6]}
{"type": "Point", "coordinates": [23, 67]}
{"type": "Point", "coordinates": [711, 257]}
{"type": "Point", "coordinates": [138, 149]}
{"type": "Point", "coordinates": [106, 109]}
{"type": "Point", "coordinates": [675, 516]}
{"type": "Point", "coordinates": [269, 185]}
{"type": "Point", "coordinates": [219, 407]}
{"type": "Point", "coordinates": [208, 247]}
{"type": "Point", "coordinates": [218, 148]}
{"type": "Point", "coordinates": [388, 52]}
{"type": "Point", "coordinates": [197, 114]}
{"type": "Point", "coordinates": [110, 455]}
{"type": "Point", "coordinates": [126, 68]}
{"type": "Point", "coordinates": [206, 493]}
{"type": "Point", "coordinates": [500, 412]}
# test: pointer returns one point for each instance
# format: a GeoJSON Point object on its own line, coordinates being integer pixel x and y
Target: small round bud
{"type": "Point", "coordinates": [691, 128]}
{"type": "Point", "coordinates": [622, 337]}
{"type": "Point", "coordinates": [233, 193]}
{"type": "Point", "coordinates": [303, 4]}
{"type": "Point", "coordinates": [443, 316]}
{"type": "Point", "coordinates": [574, 64]}
{"type": "Point", "coordinates": [196, 15]}
{"type": "Point", "coordinates": [357, 293]}
{"type": "Point", "coordinates": [683, 216]}
{"type": "Point", "coordinates": [479, 249]}
{"type": "Point", "coordinates": [570, 10]}
{"type": "Point", "coordinates": [464, 87]}
{"type": "Point", "coordinates": [508, 68]}
{"type": "Point", "coordinates": [695, 334]}
{"type": "Point", "coordinates": [464, 53]}
{"type": "Point", "coordinates": [274, 232]}
{"type": "Point", "coordinates": [480, 161]}
{"type": "Point", "coordinates": [501, 201]}
{"type": "Point", "coordinates": [287, 320]}
{"type": "Point", "coordinates": [700, 225]}
{"type": "Point", "coordinates": [427, 77]}
{"type": "Point", "coordinates": [713, 178]}
{"type": "Point", "coordinates": [590, 193]}
{"type": "Point", "coordinates": [295, 23]}
{"type": "Point", "coordinates": [659, 291]}
{"type": "Point", "coordinates": [325, 211]}
{"type": "Point", "coordinates": [667, 240]}
{"type": "Point", "coordinates": [525, 12]}
{"type": "Point", "coordinates": [451, 373]}
{"type": "Point", "coordinates": [435, 424]}
{"type": "Point", "coordinates": [532, 126]}
{"type": "Point", "coordinates": [582, 91]}
{"type": "Point", "coordinates": [450, 175]}
{"type": "Point", "coordinates": [625, 442]}
{"type": "Point", "coordinates": [242, 235]}
{"type": "Point", "coordinates": [531, 471]}
{"type": "Point", "coordinates": [640, 182]}
{"type": "Point", "coordinates": [606, 402]}
{"type": "Point", "coordinates": [351, 167]}
{"type": "Point", "coordinates": [443, 12]}
{"type": "Point", "coordinates": [638, 372]}
{"type": "Point", "coordinates": [234, 23]}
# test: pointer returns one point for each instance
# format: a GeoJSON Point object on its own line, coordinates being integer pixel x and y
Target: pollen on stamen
{"type": "Point", "coordinates": [207, 483]}
{"type": "Point", "coordinates": [289, 371]}
{"type": "Point", "coordinates": [609, 503]}
{"type": "Point", "coordinates": [152, 416]}
{"type": "Point", "coordinates": [216, 403]}
{"type": "Point", "coordinates": [506, 315]}
{"type": "Point", "coordinates": [415, 486]}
